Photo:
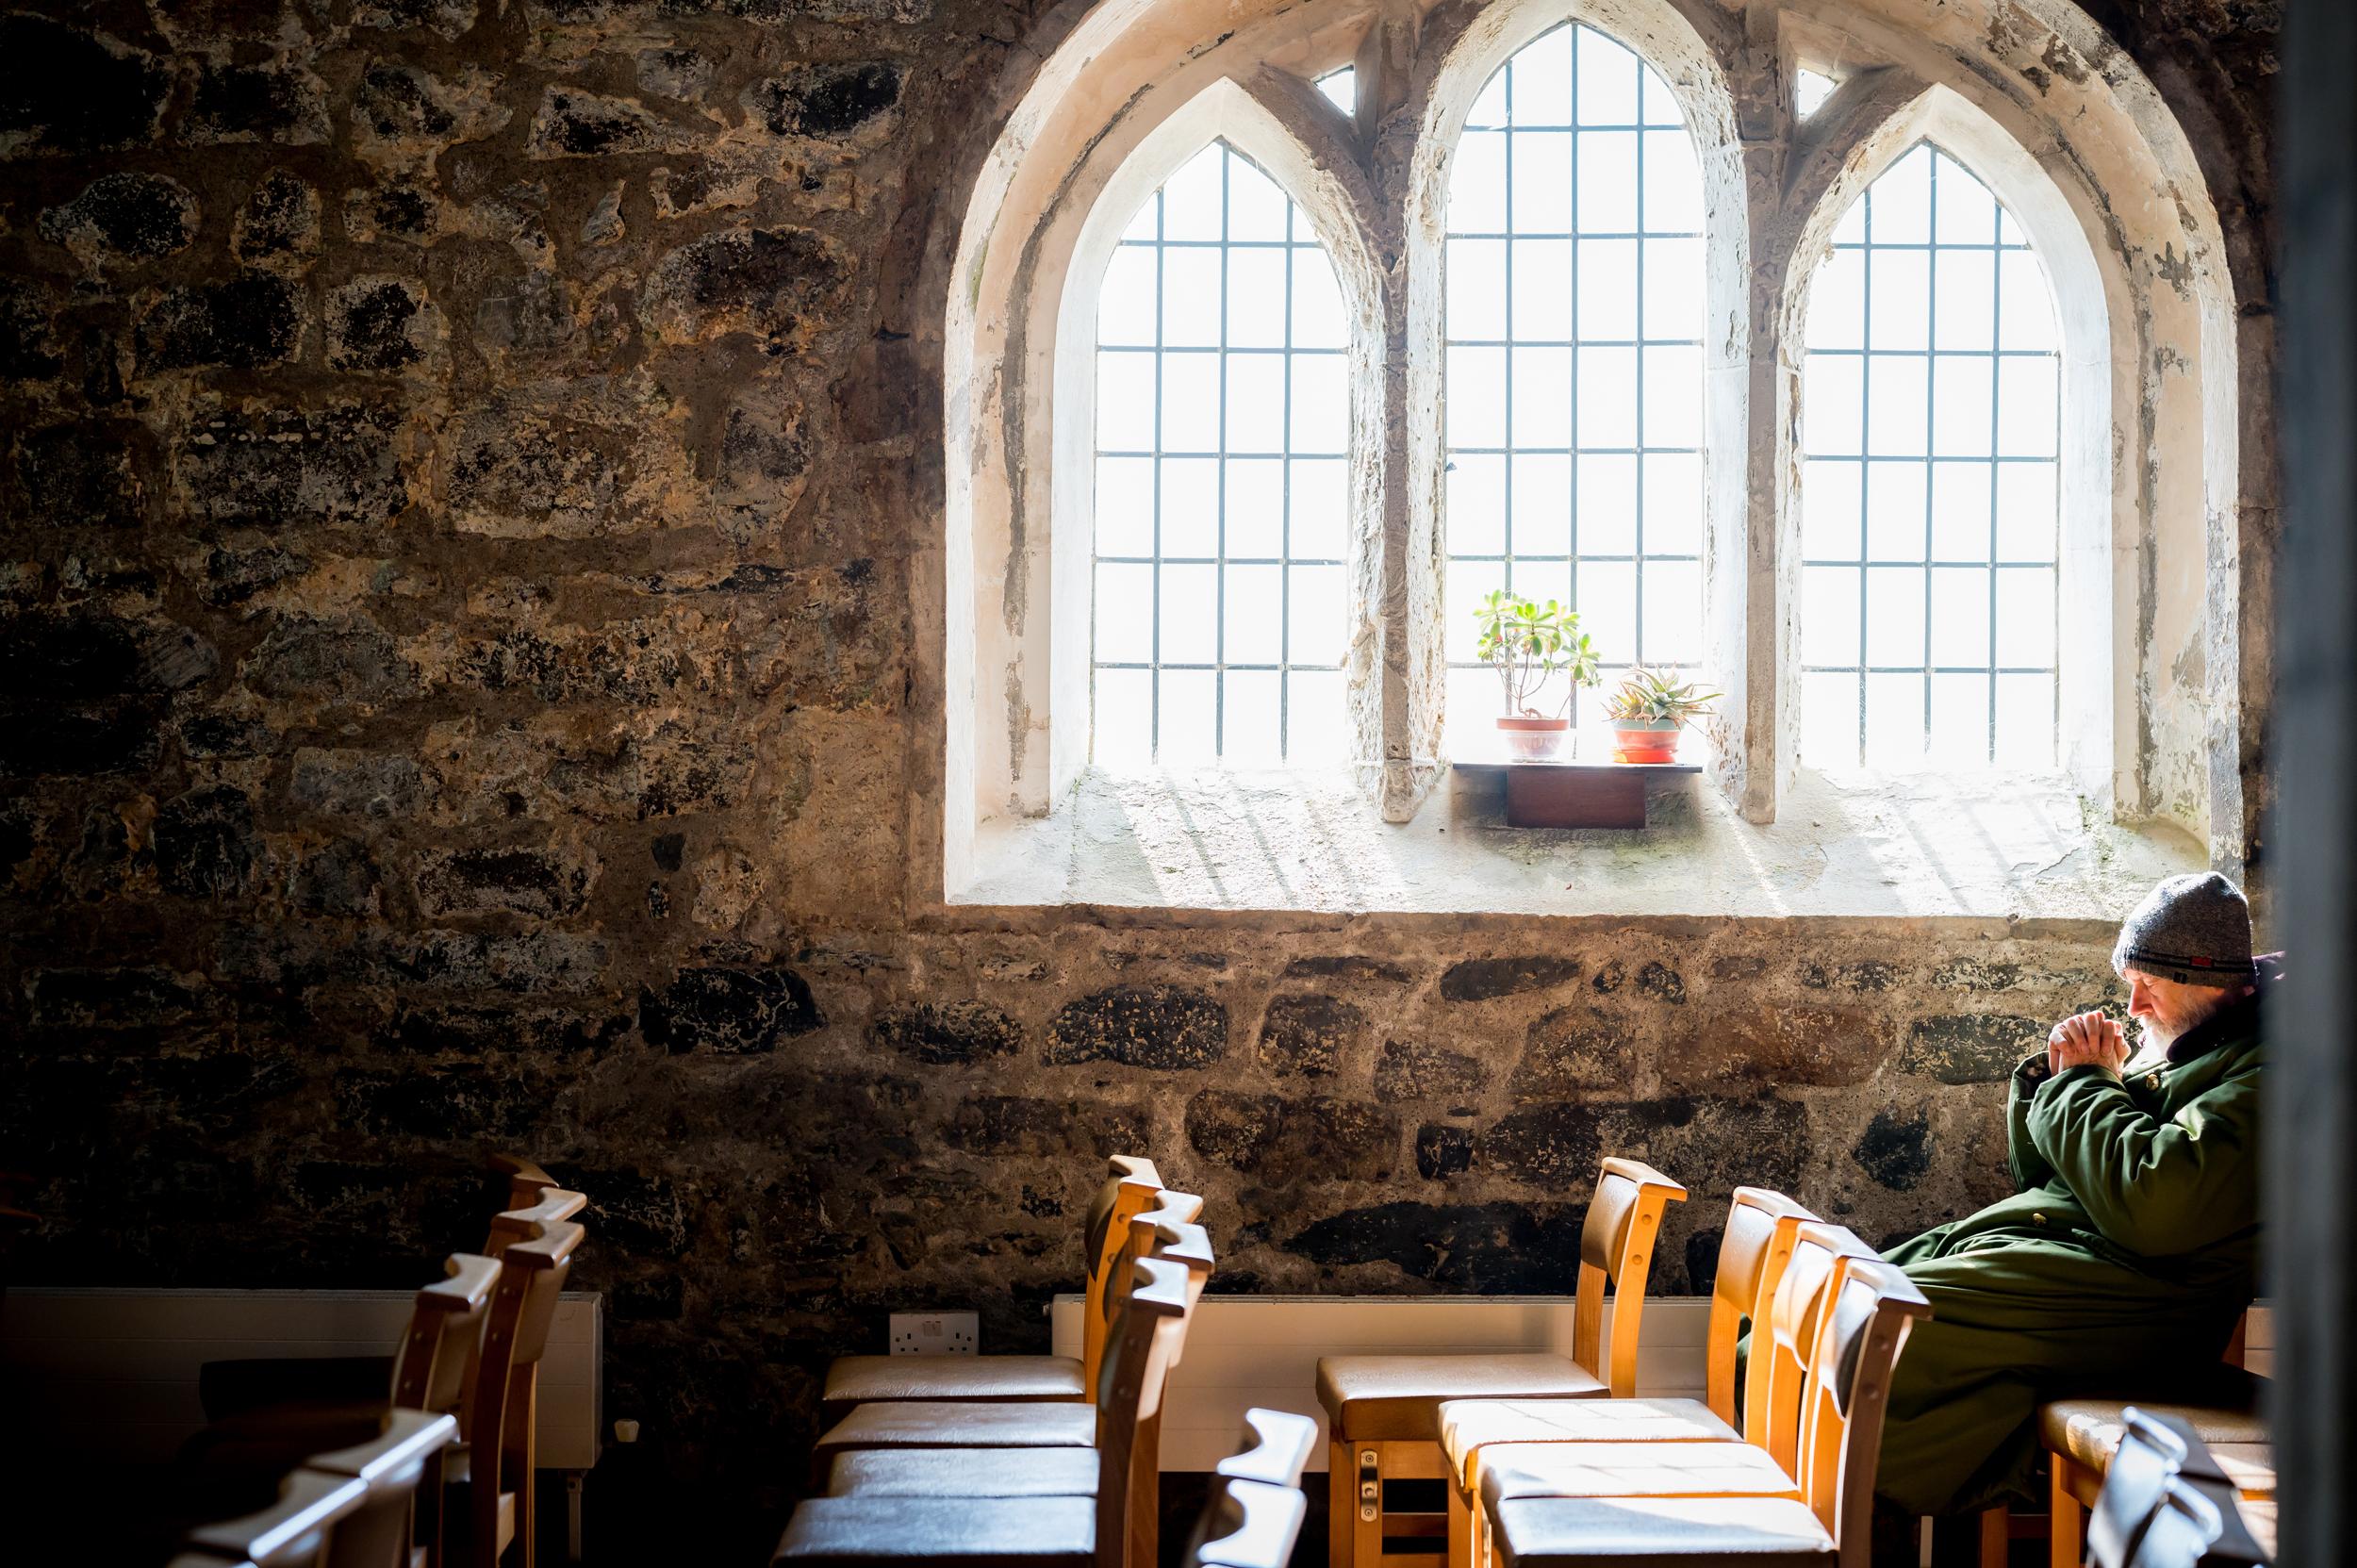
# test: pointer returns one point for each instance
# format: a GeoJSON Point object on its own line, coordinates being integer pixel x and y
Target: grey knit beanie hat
{"type": "Point", "coordinates": [2194, 929]}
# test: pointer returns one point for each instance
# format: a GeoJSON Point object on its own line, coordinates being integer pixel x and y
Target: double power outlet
{"type": "Point", "coordinates": [935, 1334]}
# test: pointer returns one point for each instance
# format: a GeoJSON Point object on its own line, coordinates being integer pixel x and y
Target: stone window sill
{"type": "Point", "coordinates": [1845, 846]}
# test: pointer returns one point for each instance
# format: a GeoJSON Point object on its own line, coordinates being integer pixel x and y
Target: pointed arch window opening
{"type": "Point", "coordinates": [1341, 88]}
{"type": "Point", "coordinates": [1221, 483]}
{"type": "Point", "coordinates": [1930, 508]}
{"type": "Point", "coordinates": [1575, 278]}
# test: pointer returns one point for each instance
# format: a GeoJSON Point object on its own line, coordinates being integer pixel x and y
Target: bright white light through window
{"type": "Point", "coordinates": [1930, 414]}
{"type": "Point", "coordinates": [1341, 88]}
{"type": "Point", "coordinates": [1223, 421]}
{"type": "Point", "coordinates": [1810, 90]}
{"type": "Point", "coordinates": [1574, 311]}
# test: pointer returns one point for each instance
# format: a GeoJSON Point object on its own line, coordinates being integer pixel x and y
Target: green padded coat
{"type": "Point", "coordinates": [2119, 1266]}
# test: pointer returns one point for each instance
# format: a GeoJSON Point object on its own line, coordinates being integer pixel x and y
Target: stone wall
{"type": "Point", "coordinates": [458, 467]}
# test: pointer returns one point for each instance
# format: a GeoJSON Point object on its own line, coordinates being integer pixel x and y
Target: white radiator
{"type": "Point", "coordinates": [1247, 1350]}
{"type": "Point", "coordinates": [111, 1373]}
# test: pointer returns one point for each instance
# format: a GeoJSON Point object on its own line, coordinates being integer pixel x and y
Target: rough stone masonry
{"type": "Point", "coordinates": [458, 462]}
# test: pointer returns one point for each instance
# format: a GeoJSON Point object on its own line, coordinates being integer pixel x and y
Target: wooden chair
{"type": "Point", "coordinates": [2198, 1527]}
{"type": "Point", "coordinates": [501, 1412]}
{"type": "Point", "coordinates": [1253, 1515]}
{"type": "Point", "coordinates": [925, 1512]}
{"type": "Point", "coordinates": [1753, 1250]}
{"type": "Point", "coordinates": [1383, 1412]}
{"type": "Point", "coordinates": [1864, 1318]}
{"type": "Point", "coordinates": [403, 1463]}
{"type": "Point", "coordinates": [1132, 1189]}
{"type": "Point", "coordinates": [293, 1532]}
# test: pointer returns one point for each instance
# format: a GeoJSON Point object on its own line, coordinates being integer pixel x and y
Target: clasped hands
{"type": "Point", "coordinates": [2086, 1039]}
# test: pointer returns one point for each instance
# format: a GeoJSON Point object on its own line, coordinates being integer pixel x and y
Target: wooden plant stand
{"type": "Point", "coordinates": [1558, 792]}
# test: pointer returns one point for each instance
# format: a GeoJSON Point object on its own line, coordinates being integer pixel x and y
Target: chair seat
{"type": "Point", "coordinates": [1594, 1532]}
{"type": "Point", "coordinates": [2249, 1466]}
{"type": "Point", "coordinates": [946, 1423]}
{"type": "Point", "coordinates": [1392, 1398]}
{"type": "Point", "coordinates": [965, 1473]}
{"type": "Point", "coordinates": [2088, 1431]}
{"type": "Point", "coordinates": [1633, 1470]}
{"type": "Point", "coordinates": [1469, 1426]}
{"type": "Point", "coordinates": [1032, 1532]}
{"type": "Point", "coordinates": [870, 1380]}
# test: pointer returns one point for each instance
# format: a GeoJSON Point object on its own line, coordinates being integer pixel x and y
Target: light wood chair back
{"type": "Point", "coordinates": [2153, 1449]}
{"type": "Point", "coordinates": [553, 1206]}
{"type": "Point", "coordinates": [525, 1179]}
{"type": "Point", "coordinates": [1752, 1253]}
{"type": "Point", "coordinates": [1810, 1276]}
{"type": "Point", "coordinates": [293, 1532]}
{"type": "Point", "coordinates": [1132, 1188]}
{"type": "Point", "coordinates": [1138, 1241]}
{"type": "Point", "coordinates": [1246, 1524]}
{"type": "Point", "coordinates": [433, 1367]}
{"type": "Point", "coordinates": [394, 1468]}
{"type": "Point", "coordinates": [2197, 1525]}
{"type": "Point", "coordinates": [1861, 1329]}
{"type": "Point", "coordinates": [501, 1413]}
{"type": "Point", "coordinates": [1139, 1347]}
{"type": "Point", "coordinates": [1276, 1448]}
{"type": "Point", "coordinates": [1616, 1249]}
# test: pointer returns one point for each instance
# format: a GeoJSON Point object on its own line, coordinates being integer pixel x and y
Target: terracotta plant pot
{"type": "Point", "coordinates": [1533, 737]}
{"type": "Point", "coordinates": [1645, 741]}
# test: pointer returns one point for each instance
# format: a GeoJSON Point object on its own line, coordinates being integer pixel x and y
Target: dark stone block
{"type": "Point", "coordinates": [83, 475]}
{"type": "Point", "coordinates": [254, 103]}
{"type": "Point", "coordinates": [1499, 1249]}
{"type": "Point", "coordinates": [484, 1031]}
{"type": "Point", "coordinates": [532, 883]}
{"type": "Point", "coordinates": [339, 879]}
{"type": "Point", "coordinates": [1574, 1051]}
{"type": "Point", "coordinates": [777, 283]}
{"type": "Point", "coordinates": [234, 576]}
{"type": "Point", "coordinates": [1895, 1150]}
{"type": "Point", "coordinates": [1611, 977]}
{"type": "Point", "coordinates": [1483, 979]}
{"type": "Point", "coordinates": [1661, 982]}
{"type": "Point", "coordinates": [399, 102]}
{"type": "Point", "coordinates": [66, 91]}
{"type": "Point", "coordinates": [110, 999]}
{"type": "Point", "coordinates": [280, 218]}
{"type": "Point", "coordinates": [204, 842]}
{"type": "Point", "coordinates": [372, 324]}
{"type": "Point", "coordinates": [440, 1103]}
{"type": "Point", "coordinates": [1345, 966]}
{"type": "Point", "coordinates": [71, 657]}
{"type": "Point", "coordinates": [1284, 1142]}
{"type": "Point", "coordinates": [279, 468]}
{"type": "Point", "coordinates": [1310, 1035]}
{"type": "Point", "coordinates": [1714, 1144]}
{"type": "Point", "coordinates": [242, 324]}
{"type": "Point", "coordinates": [947, 1033]}
{"type": "Point", "coordinates": [639, 1215]}
{"type": "Point", "coordinates": [1774, 1046]}
{"type": "Point", "coordinates": [583, 124]}
{"type": "Point", "coordinates": [390, 211]}
{"type": "Point", "coordinates": [1052, 1129]}
{"type": "Point", "coordinates": [1163, 1027]}
{"type": "Point", "coordinates": [28, 346]}
{"type": "Point", "coordinates": [329, 661]}
{"type": "Point", "coordinates": [123, 738]}
{"type": "Point", "coordinates": [356, 784]}
{"type": "Point", "coordinates": [126, 218]}
{"type": "Point", "coordinates": [1969, 1047]}
{"type": "Point", "coordinates": [1738, 967]}
{"type": "Point", "coordinates": [214, 734]}
{"type": "Point", "coordinates": [1702, 1259]}
{"type": "Point", "coordinates": [827, 100]}
{"type": "Point", "coordinates": [1870, 974]}
{"type": "Point", "coordinates": [667, 849]}
{"type": "Point", "coordinates": [1444, 1151]}
{"type": "Point", "coordinates": [733, 1012]}
{"type": "Point", "coordinates": [1548, 1145]}
{"type": "Point", "coordinates": [1409, 1069]}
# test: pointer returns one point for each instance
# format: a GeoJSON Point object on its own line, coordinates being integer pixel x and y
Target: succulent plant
{"type": "Point", "coordinates": [1657, 696]}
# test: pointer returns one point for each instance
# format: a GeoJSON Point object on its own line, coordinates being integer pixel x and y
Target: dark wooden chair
{"type": "Point", "coordinates": [293, 1532]}
{"type": "Point", "coordinates": [401, 1464]}
{"type": "Point", "coordinates": [499, 1415]}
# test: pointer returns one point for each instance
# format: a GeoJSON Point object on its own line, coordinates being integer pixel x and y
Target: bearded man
{"type": "Point", "coordinates": [2124, 1261]}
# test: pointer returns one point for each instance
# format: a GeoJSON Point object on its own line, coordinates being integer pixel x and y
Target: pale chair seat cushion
{"type": "Point", "coordinates": [2088, 1431]}
{"type": "Point", "coordinates": [945, 1424]}
{"type": "Point", "coordinates": [1626, 1532]}
{"type": "Point", "coordinates": [1029, 1532]}
{"type": "Point", "coordinates": [1633, 1470]}
{"type": "Point", "coordinates": [868, 1379]}
{"type": "Point", "coordinates": [965, 1473]}
{"type": "Point", "coordinates": [2249, 1466]}
{"type": "Point", "coordinates": [1393, 1398]}
{"type": "Point", "coordinates": [1470, 1426]}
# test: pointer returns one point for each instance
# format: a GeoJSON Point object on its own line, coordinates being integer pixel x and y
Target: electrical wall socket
{"type": "Point", "coordinates": [935, 1334]}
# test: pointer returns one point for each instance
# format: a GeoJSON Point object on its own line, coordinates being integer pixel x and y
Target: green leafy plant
{"type": "Point", "coordinates": [1526, 642]}
{"type": "Point", "coordinates": [1657, 696]}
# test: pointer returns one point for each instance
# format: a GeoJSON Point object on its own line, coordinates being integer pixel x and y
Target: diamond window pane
{"type": "Point", "coordinates": [1540, 183]}
{"type": "Point", "coordinates": [1541, 292]}
{"type": "Point", "coordinates": [1222, 425]}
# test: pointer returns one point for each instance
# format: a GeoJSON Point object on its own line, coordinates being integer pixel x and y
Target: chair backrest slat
{"type": "Point", "coordinates": [1276, 1448]}
{"type": "Point", "coordinates": [1616, 1249]}
{"type": "Point", "coordinates": [525, 1179]}
{"type": "Point", "coordinates": [1148, 1317]}
{"type": "Point", "coordinates": [1861, 1329]}
{"type": "Point", "coordinates": [433, 1369]}
{"type": "Point", "coordinates": [1811, 1275]}
{"type": "Point", "coordinates": [293, 1532]}
{"type": "Point", "coordinates": [1753, 1252]}
{"type": "Point", "coordinates": [498, 1420]}
{"type": "Point", "coordinates": [1133, 1188]}
{"type": "Point", "coordinates": [393, 1466]}
{"type": "Point", "coordinates": [1247, 1524]}
{"type": "Point", "coordinates": [553, 1206]}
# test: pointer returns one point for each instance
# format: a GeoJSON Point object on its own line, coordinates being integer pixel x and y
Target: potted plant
{"type": "Point", "coordinates": [1648, 710]}
{"type": "Point", "coordinates": [1525, 643]}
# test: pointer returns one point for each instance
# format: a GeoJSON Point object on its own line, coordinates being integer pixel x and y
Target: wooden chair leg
{"type": "Point", "coordinates": [1995, 1535]}
{"type": "Point", "coordinates": [1341, 1504]}
{"type": "Point", "coordinates": [2066, 1520]}
{"type": "Point", "coordinates": [1460, 1529]}
{"type": "Point", "coordinates": [1146, 1494]}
